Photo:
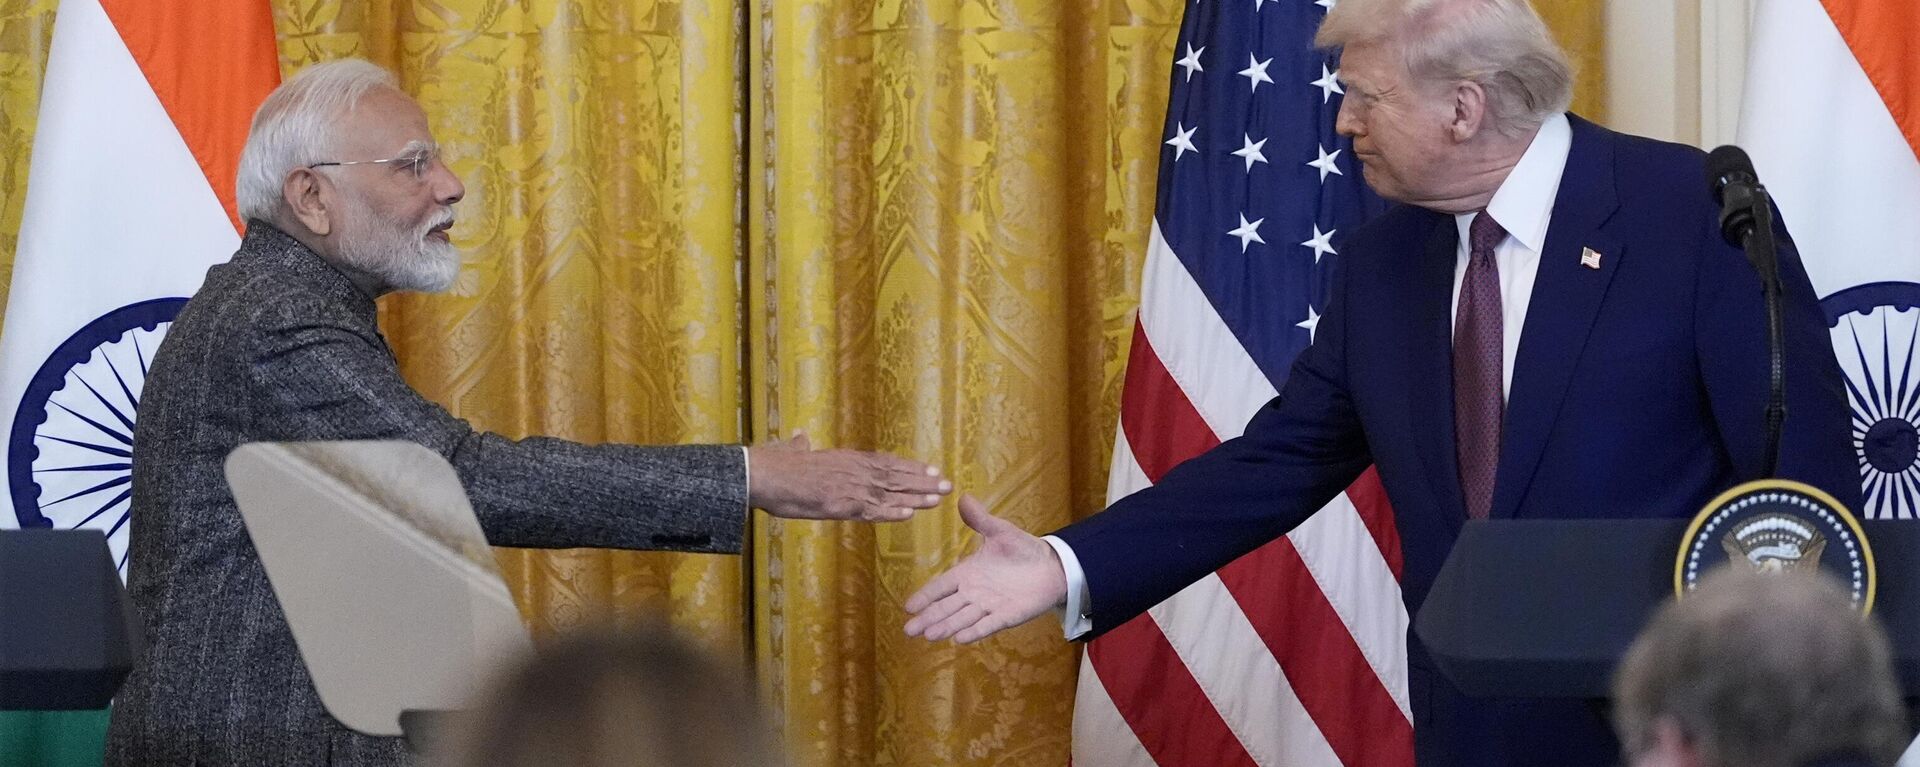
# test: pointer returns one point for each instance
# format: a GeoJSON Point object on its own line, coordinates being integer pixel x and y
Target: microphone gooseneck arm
{"type": "Point", "coordinates": [1761, 250]}
{"type": "Point", "coordinates": [1746, 220]}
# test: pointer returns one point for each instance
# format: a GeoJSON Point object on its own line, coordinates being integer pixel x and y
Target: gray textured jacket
{"type": "Point", "coordinates": [279, 346]}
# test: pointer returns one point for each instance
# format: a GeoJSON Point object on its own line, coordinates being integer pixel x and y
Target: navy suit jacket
{"type": "Point", "coordinates": [1638, 391]}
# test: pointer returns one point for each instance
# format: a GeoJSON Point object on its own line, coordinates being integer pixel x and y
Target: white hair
{"type": "Point", "coordinates": [1500, 45]}
{"type": "Point", "coordinates": [296, 126]}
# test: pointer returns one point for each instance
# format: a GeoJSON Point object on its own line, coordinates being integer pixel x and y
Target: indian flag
{"type": "Point", "coordinates": [129, 199]}
{"type": "Point", "coordinates": [1832, 120]}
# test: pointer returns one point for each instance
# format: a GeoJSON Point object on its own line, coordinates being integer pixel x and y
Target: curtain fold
{"type": "Point", "coordinates": [956, 198]}
{"type": "Point", "coordinates": [26, 29]}
{"type": "Point", "coordinates": [1581, 28]}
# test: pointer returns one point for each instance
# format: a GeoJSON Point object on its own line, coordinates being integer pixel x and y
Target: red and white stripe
{"type": "Point", "coordinates": [1293, 655]}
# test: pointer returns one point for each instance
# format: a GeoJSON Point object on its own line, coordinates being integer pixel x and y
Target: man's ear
{"type": "Point", "coordinates": [1469, 111]}
{"type": "Point", "coordinates": [308, 197]}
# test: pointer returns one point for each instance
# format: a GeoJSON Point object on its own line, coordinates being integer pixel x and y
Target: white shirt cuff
{"type": "Point", "coordinates": [746, 476]}
{"type": "Point", "coordinates": [1075, 618]}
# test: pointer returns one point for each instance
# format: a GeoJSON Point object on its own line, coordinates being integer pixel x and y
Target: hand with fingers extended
{"type": "Point", "coordinates": [1011, 579]}
{"type": "Point", "coordinates": [792, 480]}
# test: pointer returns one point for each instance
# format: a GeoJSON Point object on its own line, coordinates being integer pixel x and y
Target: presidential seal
{"type": "Point", "coordinates": [1777, 526]}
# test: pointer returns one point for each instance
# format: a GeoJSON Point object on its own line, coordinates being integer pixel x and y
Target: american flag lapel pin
{"type": "Point", "coordinates": [1590, 258]}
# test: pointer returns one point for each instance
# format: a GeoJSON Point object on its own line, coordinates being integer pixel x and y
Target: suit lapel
{"type": "Point", "coordinates": [1566, 298]}
{"type": "Point", "coordinates": [1430, 368]}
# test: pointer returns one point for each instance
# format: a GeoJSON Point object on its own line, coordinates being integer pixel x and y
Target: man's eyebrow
{"type": "Point", "coordinates": [415, 147]}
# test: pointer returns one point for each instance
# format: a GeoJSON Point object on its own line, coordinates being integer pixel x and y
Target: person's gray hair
{"type": "Point", "coordinates": [1763, 670]}
{"type": "Point", "coordinates": [295, 127]}
{"type": "Point", "coordinates": [1500, 45]}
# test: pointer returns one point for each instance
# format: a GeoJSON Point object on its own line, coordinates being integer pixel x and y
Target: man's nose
{"type": "Point", "coordinates": [447, 188]}
{"type": "Point", "coordinates": [1347, 122]}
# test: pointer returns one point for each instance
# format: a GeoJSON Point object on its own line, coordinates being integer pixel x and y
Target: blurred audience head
{"type": "Point", "coordinates": [1757, 670]}
{"type": "Point", "coordinates": [342, 160]}
{"type": "Point", "coordinates": [639, 697]}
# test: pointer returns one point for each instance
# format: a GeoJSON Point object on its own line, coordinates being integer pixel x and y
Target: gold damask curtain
{"type": "Point", "coordinates": [905, 225]}
{"type": "Point", "coordinates": [951, 203]}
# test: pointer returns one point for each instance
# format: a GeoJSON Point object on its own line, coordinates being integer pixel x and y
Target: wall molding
{"type": "Point", "coordinates": [1675, 68]}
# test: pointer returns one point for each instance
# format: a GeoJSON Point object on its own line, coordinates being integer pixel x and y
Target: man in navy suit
{"type": "Point", "coordinates": [1548, 325]}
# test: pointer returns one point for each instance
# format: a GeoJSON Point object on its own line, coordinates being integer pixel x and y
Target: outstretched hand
{"type": "Point", "coordinates": [1011, 579]}
{"type": "Point", "coordinates": [792, 480]}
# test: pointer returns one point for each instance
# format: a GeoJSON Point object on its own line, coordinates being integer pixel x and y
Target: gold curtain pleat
{"type": "Point", "coordinates": [1581, 28]}
{"type": "Point", "coordinates": [956, 198]}
{"type": "Point", "coordinates": [26, 27]}
{"type": "Point", "coordinates": [905, 225]}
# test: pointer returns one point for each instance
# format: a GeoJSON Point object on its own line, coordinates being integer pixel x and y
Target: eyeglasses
{"type": "Point", "coordinates": [416, 162]}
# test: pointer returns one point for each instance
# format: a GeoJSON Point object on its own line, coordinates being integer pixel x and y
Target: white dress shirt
{"type": "Point", "coordinates": [1524, 206]}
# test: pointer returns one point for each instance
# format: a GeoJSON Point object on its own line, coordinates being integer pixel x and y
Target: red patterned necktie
{"type": "Point", "coordinates": [1478, 403]}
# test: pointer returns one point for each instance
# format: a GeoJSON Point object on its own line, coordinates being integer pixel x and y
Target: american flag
{"type": "Point", "coordinates": [1295, 654]}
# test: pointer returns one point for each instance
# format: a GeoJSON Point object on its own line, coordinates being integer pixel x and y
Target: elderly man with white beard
{"type": "Point", "coordinates": [346, 199]}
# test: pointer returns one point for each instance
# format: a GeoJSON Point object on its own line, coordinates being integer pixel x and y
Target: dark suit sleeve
{"type": "Point", "coordinates": [316, 376]}
{"type": "Point", "coordinates": [1298, 452]}
{"type": "Point", "coordinates": [1730, 323]}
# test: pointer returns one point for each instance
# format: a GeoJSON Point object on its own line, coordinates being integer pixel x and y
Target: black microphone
{"type": "Point", "coordinates": [1746, 221]}
{"type": "Point", "coordinates": [1735, 187]}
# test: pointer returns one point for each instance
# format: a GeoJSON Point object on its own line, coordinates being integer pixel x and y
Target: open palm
{"type": "Point", "coordinates": [1011, 579]}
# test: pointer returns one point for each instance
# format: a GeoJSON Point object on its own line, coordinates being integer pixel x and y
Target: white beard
{"type": "Point", "coordinates": [401, 259]}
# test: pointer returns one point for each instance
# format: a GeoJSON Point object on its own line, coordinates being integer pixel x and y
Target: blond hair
{"type": "Point", "coordinates": [1500, 45]}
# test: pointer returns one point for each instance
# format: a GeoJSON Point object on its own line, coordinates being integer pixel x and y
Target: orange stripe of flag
{"type": "Point", "coordinates": [211, 62]}
{"type": "Point", "coordinates": [1882, 34]}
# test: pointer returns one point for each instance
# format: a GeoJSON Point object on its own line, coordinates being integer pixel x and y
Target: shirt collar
{"type": "Point", "coordinates": [1524, 202]}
